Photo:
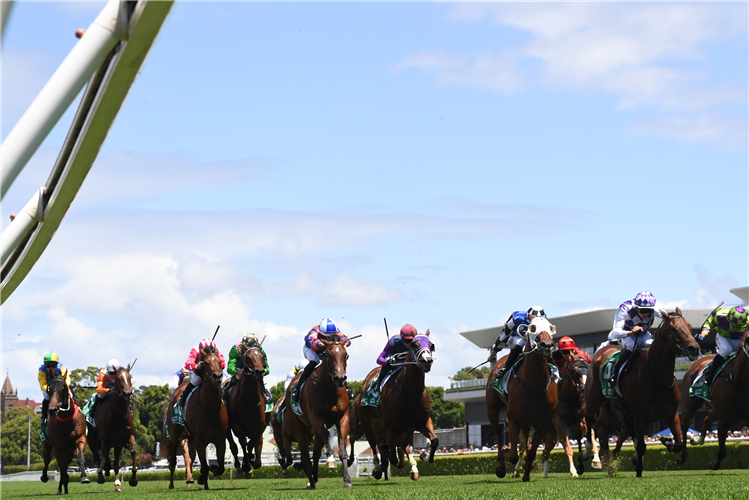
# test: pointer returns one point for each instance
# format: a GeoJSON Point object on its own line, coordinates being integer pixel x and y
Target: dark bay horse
{"type": "Point", "coordinates": [404, 408]}
{"type": "Point", "coordinates": [367, 421]}
{"type": "Point", "coordinates": [730, 399]}
{"type": "Point", "coordinates": [66, 434]}
{"type": "Point", "coordinates": [570, 412]}
{"type": "Point", "coordinates": [324, 403]}
{"type": "Point", "coordinates": [649, 391]}
{"type": "Point", "coordinates": [205, 419]}
{"type": "Point", "coordinates": [246, 410]}
{"type": "Point", "coordinates": [114, 429]}
{"type": "Point", "coordinates": [690, 405]}
{"type": "Point", "coordinates": [531, 398]}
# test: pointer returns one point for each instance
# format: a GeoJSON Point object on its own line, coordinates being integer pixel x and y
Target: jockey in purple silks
{"type": "Point", "coordinates": [632, 325]}
{"type": "Point", "coordinates": [396, 345]}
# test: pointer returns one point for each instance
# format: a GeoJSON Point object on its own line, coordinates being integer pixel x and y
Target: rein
{"type": "Point", "coordinates": [536, 347]}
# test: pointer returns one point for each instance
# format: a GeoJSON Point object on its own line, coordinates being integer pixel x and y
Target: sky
{"type": "Point", "coordinates": [437, 164]}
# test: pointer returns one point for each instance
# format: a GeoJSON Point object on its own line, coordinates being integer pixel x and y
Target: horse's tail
{"type": "Point", "coordinates": [163, 451]}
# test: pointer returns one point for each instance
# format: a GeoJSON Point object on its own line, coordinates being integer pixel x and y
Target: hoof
{"type": "Point", "coordinates": [250, 474]}
{"type": "Point", "coordinates": [100, 479]}
{"type": "Point", "coordinates": [285, 474]}
{"type": "Point", "coordinates": [171, 486]}
{"type": "Point", "coordinates": [596, 465]}
{"type": "Point", "coordinates": [107, 473]}
{"type": "Point", "coordinates": [85, 480]}
{"type": "Point", "coordinates": [298, 466]}
{"type": "Point", "coordinates": [331, 463]}
{"type": "Point", "coordinates": [117, 487]}
{"type": "Point", "coordinates": [414, 476]}
{"type": "Point", "coordinates": [310, 486]}
{"type": "Point", "coordinates": [714, 465]}
{"type": "Point", "coordinates": [348, 485]}
{"type": "Point", "coordinates": [238, 474]}
{"type": "Point", "coordinates": [133, 482]}
{"type": "Point", "coordinates": [526, 479]}
{"type": "Point", "coordinates": [377, 474]}
{"type": "Point", "coordinates": [500, 471]}
{"type": "Point", "coordinates": [44, 478]}
{"type": "Point", "coordinates": [190, 480]}
{"type": "Point", "coordinates": [200, 480]}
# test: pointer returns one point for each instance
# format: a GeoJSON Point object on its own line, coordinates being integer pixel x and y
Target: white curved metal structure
{"type": "Point", "coordinates": [109, 56]}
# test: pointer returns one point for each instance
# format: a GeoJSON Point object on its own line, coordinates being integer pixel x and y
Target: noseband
{"type": "Point", "coordinates": [248, 370]}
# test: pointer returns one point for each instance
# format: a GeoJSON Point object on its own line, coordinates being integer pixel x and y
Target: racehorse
{"type": "Point", "coordinates": [730, 399]}
{"type": "Point", "coordinates": [324, 401]}
{"type": "Point", "coordinates": [184, 445]}
{"type": "Point", "coordinates": [649, 392]}
{"type": "Point", "coordinates": [114, 428]}
{"type": "Point", "coordinates": [206, 420]}
{"type": "Point", "coordinates": [66, 433]}
{"type": "Point", "coordinates": [570, 412]}
{"type": "Point", "coordinates": [246, 409]}
{"type": "Point", "coordinates": [367, 421]}
{"type": "Point", "coordinates": [404, 407]}
{"type": "Point", "coordinates": [531, 398]}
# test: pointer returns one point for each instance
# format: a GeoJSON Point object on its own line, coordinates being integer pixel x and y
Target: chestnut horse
{"type": "Point", "coordinates": [570, 412]}
{"type": "Point", "coordinates": [649, 392]}
{"type": "Point", "coordinates": [531, 398]}
{"type": "Point", "coordinates": [730, 399]}
{"type": "Point", "coordinates": [184, 444]}
{"type": "Point", "coordinates": [66, 433]}
{"type": "Point", "coordinates": [404, 408]}
{"type": "Point", "coordinates": [206, 420]}
{"type": "Point", "coordinates": [114, 429]}
{"type": "Point", "coordinates": [324, 401]}
{"type": "Point", "coordinates": [246, 409]}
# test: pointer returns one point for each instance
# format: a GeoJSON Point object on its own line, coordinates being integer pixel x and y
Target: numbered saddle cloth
{"type": "Point", "coordinates": [607, 370]}
{"type": "Point", "coordinates": [296, 406]}
{"type": "Point", "coordinates": [87, 408]}
{"type": "Point", "coordinates": [500, 384]}
{"type": "Point", "coordinates": [371, 396]}
{"type": "Point", "coordinates": [178, 412]}
{"type": "Point", "coordinates": [699, 387]}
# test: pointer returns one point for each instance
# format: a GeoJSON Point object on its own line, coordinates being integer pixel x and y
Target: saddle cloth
{"type": "Point", "coordinates": [371, 397]}
{"type": "Point", "coordinates": [500, 385]}
{"type": "Point", "coordinates": [700, 388]}
{"type": "Point", "coordinates": [178, 412]}
{"type": "Point", "coordinates": [609, 391]}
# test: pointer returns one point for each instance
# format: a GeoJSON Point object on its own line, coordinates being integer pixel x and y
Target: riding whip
{"type": "Point", "coordinates": [386, 328]}
{"type": "Point", "coordinates": [354, 337]}
{"type": "Point", "coordinates": [132, 365]}
{"type": "Point", "coordinates": [214, 335]}
{"type": "Point", "coordinates": [472, 369]}
{"type": "Point", "coordinates": [709, 315]}
{"type": "Point", "coordinates": [261, 342]}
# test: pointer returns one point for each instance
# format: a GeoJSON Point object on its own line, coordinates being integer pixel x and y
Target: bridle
{"type": "Point", "coordinates": [64, 392]}
{"type": "Point", "coordinates": [672, 340]}
{"type": "Point", "coordinates": [577, 376]}
{"type": "Point", "coordinates": [248, 370]}
{"type": "Point", "coordinates": [331, 367]}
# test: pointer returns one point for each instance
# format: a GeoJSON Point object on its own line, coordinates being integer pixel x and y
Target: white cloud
{"type": "Point", "coordinates": [352, 291]}
{"type": "Point", "coordinates": [713, 291]}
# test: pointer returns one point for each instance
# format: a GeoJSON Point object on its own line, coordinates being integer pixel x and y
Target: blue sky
{"type": "Point", "coordinates": [433, 163]}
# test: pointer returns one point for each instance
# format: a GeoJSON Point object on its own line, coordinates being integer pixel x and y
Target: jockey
{"type": "Point", "coordinates": [49, 369]}
{"type": "Point", "coordinates": [316, 341]}
{"type": "Point", "coordinates": [632, 327]}
{"type": "Point", "coordinates": [104, 382]}
{"type": "Point", "coordinates": [729, 325]}
{"type": "Point", "coordinates": [293, 373]}
{"type": "Point", "coordinates": [511, 336]}
{"type": "Point", "coordinates": [196, 356]}
{"type": "Point", "coordinates": [396, 345]}
{"type": "Point", "coordinates": [236, 363]}
{"type": "Point", "coordinates": [177, 379]}
{"type": "Point", "coordinates": [566, 351]}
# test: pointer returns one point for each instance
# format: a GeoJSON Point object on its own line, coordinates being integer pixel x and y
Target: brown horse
{"type": "Point", "coordinates": [649, 392]}
{"type": "Point", "coordinates": [188, 453]}
{"type": "Point", "coordinates": [66, 434]}
{"type": "Point", "coordinates": [205, 419]}
{"type": "Point", "coordinates": [730, 399]}
{"type": "Point", "coordinates": [114, 429]}
{"type": "Point", "coordinates": [324, 403]}
{"type": "Point", "coordinates": [531, 398]}
{"type": "Point", "coordinates": [570, 412]}
{"type": "Point", "coordinates": [367, 421]}
{"type": "Point", "coordinates": [246, 409]}
{"type": "Point", "coordinates": [404, 408]}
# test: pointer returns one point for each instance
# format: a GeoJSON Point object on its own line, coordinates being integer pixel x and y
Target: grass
{"type": "Point", "coordinates": [681, 485]}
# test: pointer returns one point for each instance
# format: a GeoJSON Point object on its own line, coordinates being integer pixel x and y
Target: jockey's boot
{"type": "Point", "coordinates": [45, 412]}
{"type": "Point", "coordinates": [267, 395]}
{"type": "Point", "coordinates": [94, 406]}
{"type": "Point", "coordinates": [306, 373]}
{"type": "Point", "coordinates": [712, 368]}
{"type": "Point", "coordinates": [185, 393]}
{"type": "Point", "coordinates": [227, 387]}
{"type": "Point", "coordinates": [383, 373]}
{"type": "Point", "coordinates": [511, 358]}
{"type": "Point", "coordinates": [623, 357]}
{"type": "Point", "coordinates": [349, 391]}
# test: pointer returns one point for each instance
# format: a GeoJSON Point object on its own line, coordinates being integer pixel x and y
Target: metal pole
{"type": "Point", "coordinates": [17, 230]}
{"type": "Point", "coordinates": [28, 448]}
{"type": "Point", "coordinates": [87, 55]}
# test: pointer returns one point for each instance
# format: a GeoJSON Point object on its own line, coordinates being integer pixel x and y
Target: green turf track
{"type": "Point", "coordinates": [682, 485]}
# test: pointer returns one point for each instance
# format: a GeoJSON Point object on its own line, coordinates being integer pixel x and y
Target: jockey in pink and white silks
{"type": "Point", "coordinates": [196, 355]}
{"type": "Point", "coordinates": [632, 325]}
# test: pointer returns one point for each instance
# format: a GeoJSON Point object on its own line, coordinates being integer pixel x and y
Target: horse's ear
{"type": "Point", "coordinates": [678, 311]}
{"type": "Point", "coordinates": [666, 316]}
{"type": "Point", "coordinates": [427, 333]}
{"type": "Point", "coordinates": [128, 368]}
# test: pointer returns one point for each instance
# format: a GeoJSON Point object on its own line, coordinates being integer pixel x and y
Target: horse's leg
{"type": "Point", "coordinates": [706, 423]}
{"type": "Point", "coordinates": [513, 429]}
{"type": "Point", "coordinates": [219, 468]}
{"type": "Point", "coordinates": [522, 448]}
{"type": "Point", "coordinates": [47, 457]}
{"type": "Point", "coordinates": [204, 467]}
{"type": "Point", "coordinates": [551, 442]}
{"type": "Point", "coordinates": [235, 452]}
{"type": "Point", "coordinates": [93, 445]}
{"type": "Point", "coordinates": [640, 446]}
{"type": "Point", "coordinates": [133, 452]}
{"type": "Point", "coordinates": [172, 453]}
{"type": "Point", "coordinates": [427, 430]}
{"type": "Point", "coordinates": [80, 457]}
{"type": "Point", "coordinates": [105, 454]}
{"type": "Point", "coordinates": [303, 444]}
{"type": "Point", "coordinates": [596, 460]}
{"type": "Point", "coordinates": [560, 431]}
{"type": "Point", "coordinates": [678, 443]}
{"type": "Point", "coordinates": [392, 446]}
{"type": "Point", "coordinates": [317, 446]}
{"type": "Point", "coordinates": [189, 456]}
{"type": "Point", "coordinates": [117, 453]}
{"type": "Point", "coordinates": [63, 460]}
{"type": "Point", "coordinates": [722, 433]}
{"type": "Point", "coordinates": [342, 429]}
{"type": "Point", "coordinates": [329, 452]}
{"type": "Point", "coordinates": [580, 432]}
{"type": "Point", "coordinates": [538, 435]}
{"type": "Point", "coordinates": [414, 474]}
{"type": "Point", "coordinates": [257, 446]}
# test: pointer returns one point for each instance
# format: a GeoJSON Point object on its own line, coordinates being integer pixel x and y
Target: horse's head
{"type": "Point", "coordinates": [578, 370]}
{"type": "Point", "coordinates": [539, 334]}
{"type": "Point", "coordinates": [336, 356]}
{"type": "Point", "coordinates": [123, 386]}
{"type": "Point", "coordinates": [744, 345]}
{"type": "Point", "coordinates": [211, 369]}
{"type": "Point", "coordinates": [59, 397]}
{"type": "Point", "coordinates": [421, 352]}
{"type": "Point", "coordinates": [254, 363]}
{"type": "Point", "coordinates": [678, 333]}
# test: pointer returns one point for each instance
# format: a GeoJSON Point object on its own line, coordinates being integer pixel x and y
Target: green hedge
{"type": "Point", "coordinates": [656, 458]}
{"type": "Point", "coordinates": [12, 469]}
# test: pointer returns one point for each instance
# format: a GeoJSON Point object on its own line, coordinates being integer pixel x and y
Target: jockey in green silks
{"type": "Point", "coordinates": [236, 364]}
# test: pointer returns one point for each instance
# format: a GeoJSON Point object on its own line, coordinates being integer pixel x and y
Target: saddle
{"type": "Point", "coordinates": [178, 411]}
{"type": "Point", "coordinates": [86, 410]}
{"type": "Point", "coordinates": [371, 396]}
{"type": "Point", "coordinates": [700, 387]}
{"type": "Point", "coordinates": [500, 384]}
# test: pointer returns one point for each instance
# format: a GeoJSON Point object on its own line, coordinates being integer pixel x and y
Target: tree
{"type": "Point", "coordinates": [83, 383]}
{"type": "Point", "coordinates": [277, 390]}
{"type": "Point", "coordinates": [14, 436]}
{"type": "Point", "coordinates": [478, 373]}
{"type": "Point", "coordinates": [355, 386]}
{"type": "Point", "coordinates": [445, 414]}
{"type": "Point", "coordinates": [150, 404]}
